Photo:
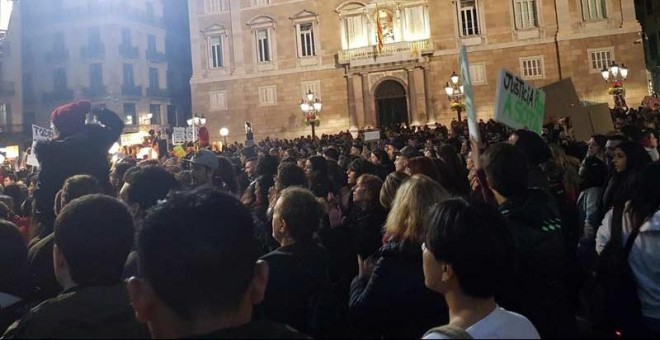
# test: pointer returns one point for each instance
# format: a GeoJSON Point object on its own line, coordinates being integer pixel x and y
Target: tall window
{"type": "Point", "coordinates": [128, 75]}
{"type": "Point", "coordinates": [153, 78]}
{"type": "Point", "coordinates": [151, 42]}
{"type": "Point", "coordinates": [306, 42]}
{"type": "Point", "coordinates": [59, 79]}
{"type": "Point", "coordinates": [525, 13]}
{"type": "Point", "coordinates": [469, 19]}
{"type": "Point", "coordinates": [218, 100]}
{"type": "Point", "coordinates": [126, 36]}
{"type": "Point", "coordinates": [267, 95]}
{"type": "Point", "coordinates": [600, 59]}
{"type": "Point", "coordinates": [216, 59]}
{"type": "Point", "coordinates": [95, 76]}
{"type": "Point", "coordinates": [263, 45]}
{"type": "Point", "coordinates": [154, 109]}
{"type": "Point", "coordinates": [130, 114]}
{"type": "Point", "coordinates": [593, 9]}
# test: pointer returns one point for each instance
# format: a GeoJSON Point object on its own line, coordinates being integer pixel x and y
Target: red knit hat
{"type": "Point", "coordinates": [70, 118]}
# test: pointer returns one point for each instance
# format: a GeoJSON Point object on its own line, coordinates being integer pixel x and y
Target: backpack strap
{"type": "Point", "coordinates": [451, 331]}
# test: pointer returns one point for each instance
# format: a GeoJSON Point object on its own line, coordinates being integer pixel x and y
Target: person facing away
{"type": "Point", "coordinates": [468, 253]}
{"type": "Point", "coordinates": [538, 289]}
{"type": "Point", "coordinates": [13, 289]}
{"type": "Point", "coordinates": [93, 235]}
{"type": "Point", "coordinates": [200, 278]}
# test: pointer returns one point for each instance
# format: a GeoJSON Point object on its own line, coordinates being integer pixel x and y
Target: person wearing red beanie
{"type": "Point", "coordinates": [70, 118]}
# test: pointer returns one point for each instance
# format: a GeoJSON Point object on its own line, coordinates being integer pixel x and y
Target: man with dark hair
{"type": "Point", "coordinates": [201, 278]}
{"type": "Point", "coordinates": [204, 164]}
{"type": "Point", "coordinates": [406, 154]}
{"type": "Point", "coordinates": [13, 288]}
{"type": "Point", "coordinates": [10, 178]}
{"type": "Point", "coordinates": [117, 174]}
{"type": "Point", "coordinates": [539, 289]}
{"type": "Point", "coordinates": [40, 255]}
{"type": "Point", "coordinates": [93, 235]}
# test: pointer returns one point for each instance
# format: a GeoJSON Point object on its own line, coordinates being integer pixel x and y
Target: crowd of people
{"type": "Point", "coordinates": [421, 234]}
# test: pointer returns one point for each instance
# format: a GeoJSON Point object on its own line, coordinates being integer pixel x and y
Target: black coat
{"type": "Point", "coordinates": [83, 153]}
{"type": "Point", "coordinates": [394, 302]}
{"type": "Point", "coordinates": [366, 229]}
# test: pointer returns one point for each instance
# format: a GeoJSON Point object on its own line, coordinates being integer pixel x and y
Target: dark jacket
{"type": "Point", "coordinates": [298, 274]}
{"type": "Point", "coordinates": [366, 229]}
{"type": "Point", "coordinates": [83, 153]}
{"type": "Point", "coordinates": [41, 271]}
{"type": "Point", "coordinates": [538, 287]}
{"type": "Point", "coordinates": [81, 312]}
{"type": "Point", "coordinates": [394, 302]}
{"type": "Point", "coordinates": [261, 329]}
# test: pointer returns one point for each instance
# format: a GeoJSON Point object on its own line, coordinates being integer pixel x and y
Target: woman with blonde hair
{"type": "Point", "coordinates": [388, 297]}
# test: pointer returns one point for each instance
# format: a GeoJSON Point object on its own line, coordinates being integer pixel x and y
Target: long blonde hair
{"type": "Point", "coordinates": [410, 210]}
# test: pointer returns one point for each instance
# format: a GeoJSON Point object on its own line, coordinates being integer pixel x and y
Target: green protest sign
{"type": "Point", "coordinates": [519, 105]}
{"type": "Point", "coordinates": [473, 126]}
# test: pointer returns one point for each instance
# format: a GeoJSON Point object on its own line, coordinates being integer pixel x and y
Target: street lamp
{"type": "Point", "coordinates": [194, 122]}
{"type": "Point", "coordinates": [454, 91]}
{"type": "Point", "coordinates": [311, 108]}
{"type": "Point", "coordinates": [224, 132]}
{"type": "Point", "coordinates": [616, 75]}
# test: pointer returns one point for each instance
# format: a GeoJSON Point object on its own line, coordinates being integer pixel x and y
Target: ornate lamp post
{"type": "Point", "coordinates": [454, 91]}
{"type": "Point", "coordinates": [311, 108]}
{"type": "Point", "coordinates": [194, 122]}
{"type": "Point", "coordinates": [224, 132]}
{"type": "Point", "coordinates": [615, 76]}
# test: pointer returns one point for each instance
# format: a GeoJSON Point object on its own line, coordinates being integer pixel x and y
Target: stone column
{"type": "Point", "coordinates": [430, 112]}
{"type": "Point", "coordinates": [412, 96]}
{"type": "Point", "coordinates": [366, 98]}
{"type": "Point", "coordinates": [352, 114]}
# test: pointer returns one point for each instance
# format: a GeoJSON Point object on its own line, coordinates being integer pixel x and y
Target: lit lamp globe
{"type": "Point", "coordinates": [224, 132]}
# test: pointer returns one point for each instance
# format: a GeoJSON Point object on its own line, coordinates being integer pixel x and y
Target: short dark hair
{"type": "Point", "coordinates": [290, 174]}
{"type": "Point", "coordinates": [506, 168]}
{"type": "Point", "coordinates": [410, 152]}
{"type": "Point", "coordinates": [474, 239]}
{"type": "Point", "coordinates": [78, 186]}
{"type": "Point", "coordinates": [12, 176]}
{"type": "Point", "coordinates": [319, 167]}
{"type": "Point", "coordinates": [267, 165]}
{"type": "Point", "coordinates": [195, 263]}
{"type": "Point", "coordinates": [301, 211]}
{"type": "Point", "coordinates": [150, 184]}
{"type": "Point", "coordinates": [13, 256]}
{"type": "Point", "coordinates": [95, 234]}
{"type": "Point", "coordinates": [600, 140]}
{"type": "Point", "coordinates": [331, 152]}
{"type": "Point", "coordinates": [361, 166]}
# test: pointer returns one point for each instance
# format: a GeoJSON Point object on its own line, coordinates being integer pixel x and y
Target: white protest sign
{"type": "Point", "coordinates": [370, 136]}
{"type": "Point", "coordinates": [518, 104]}
{"type": "Point", "coordinates": [470, 106]}
{"type": "Point", "coordinates": [191, 134]}
{"type": "Point", "coordinates": [39, 134]}
{"type": "Point", "coordinates": [178, 135]}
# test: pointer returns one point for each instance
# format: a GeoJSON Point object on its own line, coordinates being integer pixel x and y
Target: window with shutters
{"type": "Point", "coordinates": [267, 95]}
{"type": "Point", "coordinates": [593, 10]}
{"type": "Point", "coordinates": [260, 2]}
{"type": "Point", "coordinates": [478, 74]}
{"type": "Point", "coordinates": [468, 18]}
{"type": "Point", "coordinates": [218, 100]}
{"type": "Point", "coordinates": [216, 53]}
{"type": "Point", "coordinates": [216, 6]}
{"type": "Point", "coordinates": [525, 13]}
{"type": "Point", "coordinates": [314, 86]}
{"type": "Point", "coordinates": [306, 40]}
{"type": "Point", "coordinates": [262, 38]}
{"type": "Point", "coordinates": [600, 59]}
{"type": "Point", "coordinates": [532, 68]}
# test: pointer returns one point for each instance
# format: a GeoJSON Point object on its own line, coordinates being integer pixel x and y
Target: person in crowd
{"type": "Point", "coordinates": [210, 290]}
{"type": "Point", "coordinates": [204, 164]}
{"type": "Point", "coordinates": [402, 159]}
{"type": "Point", "coordinates": [536, 152]}
{"type": "Point", "coordinates": [10, 178]}
{"type": "Point", "coordinates": [227, 177]}
{"type": "Point", "coordinates": [650, 143]}
{"type": "Point", "coordinates": [467, 254]}
{"type": "Point", "coordinates": [40, 254]}
{"type": "Point", "coordinates": [117, 174]}
{"type": "Point", "coordinates": [147, 186]}
{"type": "Point", "coordinates": [76, 149]}
{"type": "Point", "coordinates": [316, 170]}
{"type": "Point", "coordinates": [14, 291]}
{"type": "Point", "coordinates": [382, 163]}
{"type": "Point", "coordinates": [593, 174]}
{"type": "Point", "coordinates": [612, 142]}
{"type": "Point", "coordinates": [597, 145]}
{"type": "Point", "coordinates": [365, 224]}
{"type": "Point", "coordinates": [538, 289]}
{"type": "Point", "coordinates": [641, 222]}
{"type": "Point", "coordinates": [390, 187]}
{"type": "Point", "coordinates": [454, 168]}
{"type": "Point", "coordinates": [251, 169]}
{"type": "Point", "coordinates": [629, 159]}
{"type": "Point", "coordinates": [388, 297]}
{"type": "Point", "coordinates": [393, 148]}
{"type": "Point", "coordinates": [335, 174]}
{"type": "Point", "coordinates": [424, 166]}
{"type": "Point", "coordinates": [299, 268]}
{"type": "Point", "coordinates": [93, 235]}
{"type": "Point", "coordinates": [357, 168]}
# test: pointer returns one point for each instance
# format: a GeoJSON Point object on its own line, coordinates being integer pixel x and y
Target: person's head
{"type": "Point", "coordinates": [246, 154]}
{"type": "Point", "coordinates": [227, 174]}
{"type": "Point", "coordinates": [593, 173]}
{"type": "Point", "coordinates": [357, 168]}
{"type": "Point", "coordinates": [10, 178]}
{"type": "Point", "coordinates": [14, 191]}
{"type": "Point", "coordinates": [117, 173]}
{"type": "Point", "coordinates": [410, 210]}
{"type": "Point", "coordinates": [597, 145]}
{"type": "Point", "coordinates": [193, 269]}
{"type": "Point", "coordinates": [379, 157]}
{"type": "Point", "coordinates": [149, 185]}
{"type": "Point", "coordinates": [506, 171]}
{"type": "Point", "coordinates": [630, 156]}
{"type": "Point", "coordinates": [316, 168]}
{"type": "Point", "coordinates": [468, 250]}
{"type": "Point", "coordinates": [423, 165]}
{"type": "Point", "coordinates": [611, 144]}
{"type": "Point", "coordinates": [261, 187]}
{"type": "Point", "coordinates": [367, 190]}
{"type": "Point", "coordinates": [402, 159]}
{"type": "Point", "coordinates": [393, 147]}
{"type": "Point", "coordinates": [296, 216]}
{"type": "Point", "coordinates": [356, 150]}
{"type": "Point", "coordinates": [204, 164]}
{"type": "Point", "coordinates": [289, 175]}
{"type": "Point", "coordinates": [650, 138]}
{"type": "Point", "coordinates": [532, 146]}
{"type": "Point", "coordinates": [69, 119]}
{"type": "Point", "coordinates": [93, 236]}
{"type": "Point", "coordinates": [390, 186]}
{"type": "Point", "coordinates": [646, 196]}
{"type": "Point", "coordinates": [78, 186]}
{"type": "Point", "coordinates": [331, 153]}
{"type": "Point", "coordinates": [267, 166]}
{"type": "Point", "coordinates": [251, 167]}
{"type": "Point", "coordinates": [13, 257]}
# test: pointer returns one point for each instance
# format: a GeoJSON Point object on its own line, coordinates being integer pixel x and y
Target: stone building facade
{"type": "Point", "coordinates": [253, 60]}
{"type": "Point", "coordinates": [11, 92]}
{"type": "Point", "coordinates": [648, 14]}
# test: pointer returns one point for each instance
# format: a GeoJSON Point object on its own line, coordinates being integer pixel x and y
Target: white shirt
{"type": "Point", "coordinates": [499, 324]}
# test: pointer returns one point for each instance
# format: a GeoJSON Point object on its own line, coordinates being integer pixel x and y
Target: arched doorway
{"type": "Point", "coordinates": [391, 103]}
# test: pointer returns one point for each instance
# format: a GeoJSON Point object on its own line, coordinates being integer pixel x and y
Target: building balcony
{"type": "Point", "coordinates": [132, 91]}
{"type": "Point", "coordinates": [128, 51]}
{"type": "Point", "coordinates": [156, 57]}
{"type": "Point", "coordinates": [7, 89]}
{"type": "Point", "coordinates": [59, 95]}
{"type": "Point", "coordinates": [93, 51]}
{"type": "Point", "coordinates": [94, 91]}
{"type": "Point", "coordinates": [400, 51]}
{"type": "Point", "coordinates": [57, 56]}
{"type": "Point", "coordinates": [158, 93]}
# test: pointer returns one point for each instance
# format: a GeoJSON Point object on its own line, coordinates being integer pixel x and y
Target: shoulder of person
{"type": "Point", "coordinates": [37, 322]}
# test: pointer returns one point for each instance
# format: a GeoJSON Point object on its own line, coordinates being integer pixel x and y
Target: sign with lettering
{"type": "Point", "coordinates": [40, 134]}
{"type": "Point", "coordinates": [371, 136]}
{"type": "Point", "coordinates": [470, 106]}
{"type": "Point", "coordinates": [518, 104]}
{"type": "Point", "coordinates": [178, 135]}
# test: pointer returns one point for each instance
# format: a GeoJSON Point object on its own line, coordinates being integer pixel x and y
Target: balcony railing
{"type": "Point", "coordinates": [411, 49]}
{"type": "Point", "coordinates": [128, 51]}
{"type": "Point", "coordinates": [57, 56]}
{"type": "Point", "coordinates": [130, 90]}
{"type": "Point", "coordinates": [94, 91]}
{"type": "Point", "coordinates": [7, 88]}
{"type": "Point", "coordinates": [156, 57]}
{"type": "Point", "coordinates": [58, 95]}
{"type": "Point", "coordinates": [93, 51]}
{"type": "Point", "coordinates": [158, 93]}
